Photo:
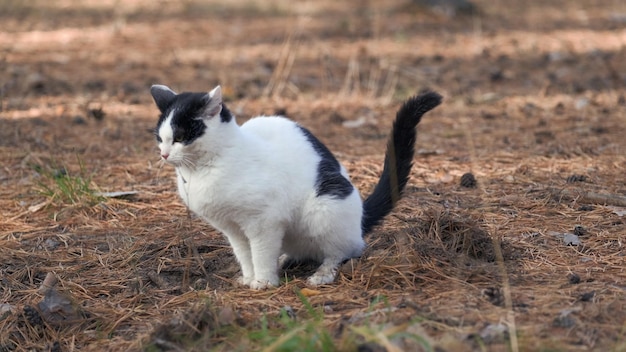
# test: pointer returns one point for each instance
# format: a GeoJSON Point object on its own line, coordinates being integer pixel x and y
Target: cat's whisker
{"type": "Point", "coordinates": [188, 161]}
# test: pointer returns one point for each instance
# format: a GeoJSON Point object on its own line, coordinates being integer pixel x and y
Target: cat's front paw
{"type": "Point", "coordinates": [244, 281]}
{"type": "Point", "coordinates": [262, 284]}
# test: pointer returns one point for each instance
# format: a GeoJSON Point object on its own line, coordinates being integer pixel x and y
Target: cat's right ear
{"type": "Point", "coordinates": [214, 102]}
{"type": "Point", "coordinates": [162, 95]}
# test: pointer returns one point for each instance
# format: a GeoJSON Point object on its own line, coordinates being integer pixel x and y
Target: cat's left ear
{"type": "Point", "coordinates": [162, 95]}
{"type": "Point", "coordinates": [214, 102]}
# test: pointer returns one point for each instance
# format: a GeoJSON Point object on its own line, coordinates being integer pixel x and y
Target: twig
{"type": "Point", "coordinates": [497, 248]}
{"type": "Point", "coordinates": [286, 59]}
{"type": "Point", "coordinates": [589, 197]}
{"type": "Point", "coordinates": [350, 81]}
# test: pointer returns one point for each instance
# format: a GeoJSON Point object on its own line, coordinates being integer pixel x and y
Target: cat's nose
{"type": "Point", "coordinates": [165, 156]}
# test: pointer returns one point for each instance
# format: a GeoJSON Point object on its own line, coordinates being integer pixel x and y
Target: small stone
{"type": "Point", "coordinates": [494, 295]}
{"type": "Point", "coordinates": [226, 316]}
{"type": "Point", "coordinates": [588, 296]}
{"type": "Point", "coordinates": [576, 178]}
{"type": "Point", "coordinates": [543, 136]}
{"type": "Point", "coordinates": [56, 347]}
{"type": "Point", "coordinates": [493, 333]}
{"type": "Point", "coordinates": [97, 114]}
{"type": "Point", "coordinates": [51, 244]}
{"type": "Point", "coordinates": [579, 230]}
{"type": "Point", "coordinates": [200, 284]}
{"type": "Point", "coordinates": [280, 112]}
{"type": "Point", "coordinates": [58, 308]}
{"type": "Point", "coordinates": [571, 240]}
{"type": "Point", "coordinates": [529, 109]}
{"type": "Point", "coordinates": [581, 103]}
{"type": "Point", "coordinates": [288, 311]}
{"type": "Point", "coordinates": [488, 116]}
{"type": "Point", "coordinates": [559, 108]}
{"type": "Point", "coordinates": [573, 278]}
{"type": "Point", "coordinates": [6, 308]}
{"type": "Point", "coordinates": [59, 173]}
{"type": "Point", "coordinates": [468, 180]}
{"type": "Point", "coordinates": [78, 120]}
{"type": "Point", "coordinates": [564, 320]}
{"type": "Point", "coordinates": [496, 75]}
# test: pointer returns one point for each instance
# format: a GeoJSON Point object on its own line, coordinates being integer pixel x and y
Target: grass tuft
{"type": "Point", "coordinates": [293, 333]}
{"type": "Point", "coordinates": [63, 188]}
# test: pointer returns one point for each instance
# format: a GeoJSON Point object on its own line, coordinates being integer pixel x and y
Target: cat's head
{"type": "Point", "coordinates": [184, 119]}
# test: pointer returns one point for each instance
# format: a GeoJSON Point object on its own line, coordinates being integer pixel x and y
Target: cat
{"type": "Point", "coordinates": [272, 188]}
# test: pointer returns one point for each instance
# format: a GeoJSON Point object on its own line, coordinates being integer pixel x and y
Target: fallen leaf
{"type": "Point", "coordinates": [226, 316]}
{"type": "Point", "coordinates": [307, 292]}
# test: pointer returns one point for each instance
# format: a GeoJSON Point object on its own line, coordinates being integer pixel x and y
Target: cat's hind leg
{"type": "Point", "coordinates": [336, 251]}
{"type": "Point", "coordinates": [337, 234]}
{"type": "Point", "coordinates": [326, 273]}
{"type": "Point", "coordinates": [285, 261]}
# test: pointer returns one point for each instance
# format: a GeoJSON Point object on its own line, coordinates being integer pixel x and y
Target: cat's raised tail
{"type": "Point", "coordinates": [398, 159]}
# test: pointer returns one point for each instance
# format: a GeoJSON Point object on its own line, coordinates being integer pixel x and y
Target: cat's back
{"type": "Point", "coordinates": [281, 134]}
{"type": "Point", "coordinates": [283, 145]}
{"type": "Point", "coordinates": [271, 128]}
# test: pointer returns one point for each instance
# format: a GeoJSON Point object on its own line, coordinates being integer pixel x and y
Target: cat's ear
{"type": "Point", "coordinates": [214, 102]}
{"type": "Point", "coordinates": [162, 95]}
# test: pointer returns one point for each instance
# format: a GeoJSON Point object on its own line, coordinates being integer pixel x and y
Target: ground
{"type": "Point", "coordinates": [528, 257]}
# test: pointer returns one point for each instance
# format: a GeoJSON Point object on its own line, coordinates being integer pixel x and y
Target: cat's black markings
{"type": "Point", "coordinates": [187, 128]}
{"type": "Point", "coordinates": [398, 159]}
{"type": "Point", "coordinates": [330, 181]}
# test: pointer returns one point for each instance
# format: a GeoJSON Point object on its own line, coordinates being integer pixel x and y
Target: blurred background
{"type": "Point", "coordinates": [284, 49]}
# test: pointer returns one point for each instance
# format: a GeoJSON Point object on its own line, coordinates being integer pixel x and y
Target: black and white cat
{"type": "Point", "coordinates": [272, 188]}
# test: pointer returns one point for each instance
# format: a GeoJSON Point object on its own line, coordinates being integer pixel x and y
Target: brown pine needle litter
{"type": "Point", "coordinates": [526, 253]}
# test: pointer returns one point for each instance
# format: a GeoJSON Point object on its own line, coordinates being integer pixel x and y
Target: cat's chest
{"type": "Point", "coordinates": [193, 189]}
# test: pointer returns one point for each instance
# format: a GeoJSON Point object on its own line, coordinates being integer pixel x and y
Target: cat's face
{"type": "Point", "coordinates": [182, 122]}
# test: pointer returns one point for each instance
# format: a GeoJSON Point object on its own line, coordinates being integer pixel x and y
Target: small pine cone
{"type": "Point", "coordinates": [468, 180]}
{"type": "Point", "coordinates": [32, 315]}
{"type": "Point", "coordinates": [56, 347]}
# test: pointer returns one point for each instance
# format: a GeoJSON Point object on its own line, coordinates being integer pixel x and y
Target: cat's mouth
{"type": "Point", "coordinates": [177, 161]}
{"type": "Point", "coordinates": [166, 157]}
{"type": "Point", "coordinates": [171, 161]}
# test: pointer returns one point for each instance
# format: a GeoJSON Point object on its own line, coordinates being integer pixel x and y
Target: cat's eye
{"type": "Point", "coordinates": [178, 139]}
{"type": "Point", "coordinates": [156, 134]}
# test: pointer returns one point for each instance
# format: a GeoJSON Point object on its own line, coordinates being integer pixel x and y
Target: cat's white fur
{"type": "Point", "coordinates": [256, 184]}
